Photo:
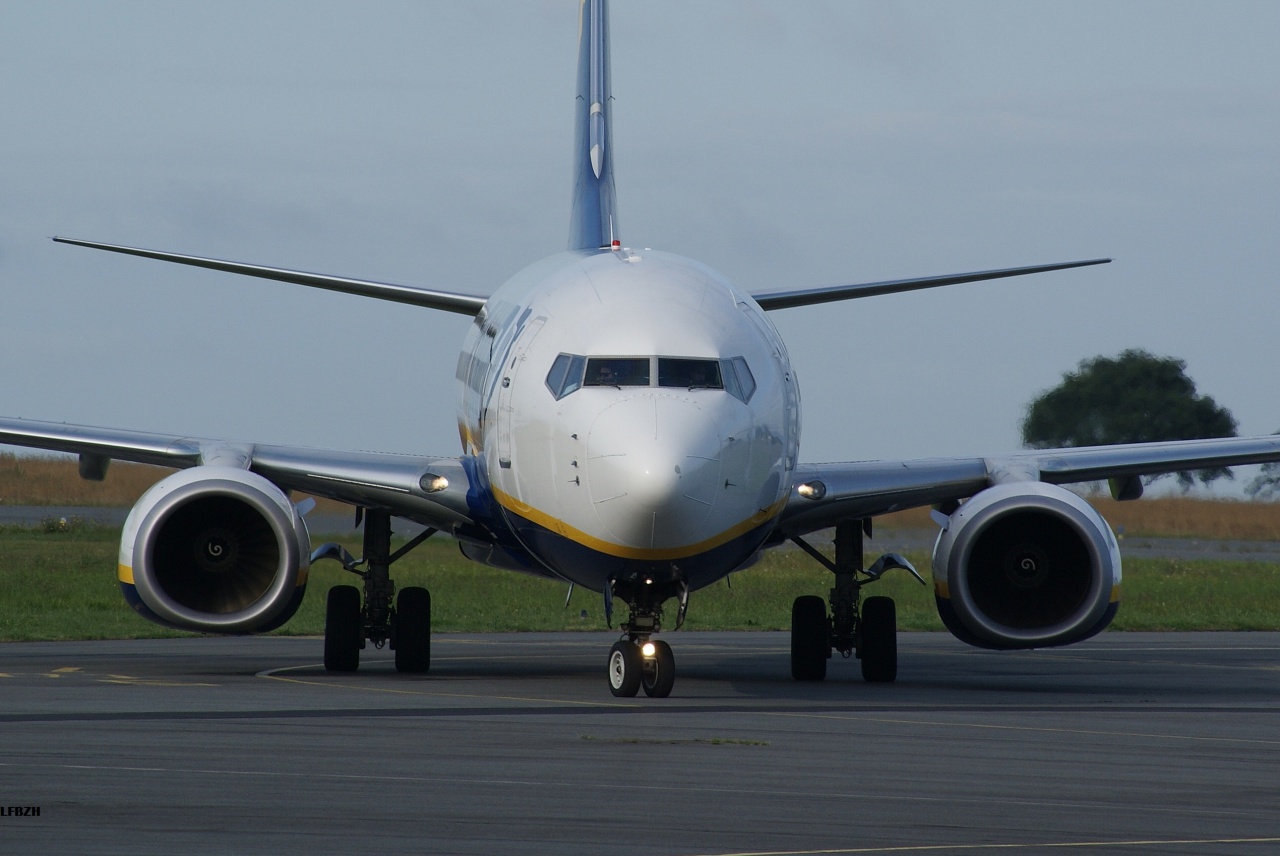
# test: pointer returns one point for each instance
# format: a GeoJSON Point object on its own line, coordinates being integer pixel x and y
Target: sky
{"type": "Point", "coordinates": [782, 142]}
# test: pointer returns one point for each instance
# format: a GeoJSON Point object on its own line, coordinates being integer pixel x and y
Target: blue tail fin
{"type": "Point", "coordinates": [593, 223]}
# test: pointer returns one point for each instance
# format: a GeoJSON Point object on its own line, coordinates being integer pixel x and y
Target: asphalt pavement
{"type": "Point", "coordinates": [1128, 743]}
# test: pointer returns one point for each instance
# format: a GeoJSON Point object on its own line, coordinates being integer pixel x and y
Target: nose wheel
{"type": "Point", "coordinates": [639, 663]}
{"type": "Point", "coordinates": [625, 666]}
{"type": "Point", "coordinates": [659, 674]}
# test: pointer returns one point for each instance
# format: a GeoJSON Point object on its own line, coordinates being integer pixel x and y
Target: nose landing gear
{"type": "Point", "coordinates": [635, 661]}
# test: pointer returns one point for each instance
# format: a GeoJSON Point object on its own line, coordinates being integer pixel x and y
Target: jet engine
{"type": "Point", "coordinates": [217, 550]}
{"type": "Point", "coordinates": [1026, 565]}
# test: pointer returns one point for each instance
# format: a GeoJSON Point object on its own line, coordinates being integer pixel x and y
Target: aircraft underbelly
{"type": "Point", "coordinates": [592, 568]}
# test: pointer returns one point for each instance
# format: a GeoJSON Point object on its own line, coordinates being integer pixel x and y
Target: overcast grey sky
{"type": "Point", "coordinates": [783, 143]}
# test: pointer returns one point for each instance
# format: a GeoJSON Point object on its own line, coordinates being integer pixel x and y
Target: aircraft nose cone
{"type": "Point", "coordinates": [652, 470]}
{"type": "Point", "coordinates": [648, 473]}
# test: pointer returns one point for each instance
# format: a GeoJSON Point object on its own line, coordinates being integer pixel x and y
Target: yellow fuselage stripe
{"type": "Point", "coordinates": [553, 524]}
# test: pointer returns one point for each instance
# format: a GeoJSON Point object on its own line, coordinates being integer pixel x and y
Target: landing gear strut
{"type": "Point", "coordinates": [865, 628]}
{"type": "Point", "coordinates": [404, 621]}
{"type": "Point", "coordinates": [635, 661]}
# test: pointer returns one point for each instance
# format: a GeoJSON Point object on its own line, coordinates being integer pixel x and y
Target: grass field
{"type": "Point", "coordinates": [61, 585]}
{"type": "Point", "coordinates": [58, 584]}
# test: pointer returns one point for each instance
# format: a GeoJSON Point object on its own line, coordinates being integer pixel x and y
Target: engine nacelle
{"type": "Point", "coordinates": [1026, 565]}
{"type": "Point", "coordinates": [216, 550]}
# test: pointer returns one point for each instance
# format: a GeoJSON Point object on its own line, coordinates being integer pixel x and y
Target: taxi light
{"type": "Point", "coordinates": [432, 483]}
{"type": "Point", "coordinates": [812, 490]}
{"type": "Point", "coordinates": [647, 649]}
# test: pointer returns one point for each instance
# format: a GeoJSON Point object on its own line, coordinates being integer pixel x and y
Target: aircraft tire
{"type": "Point", "coordinates": [413, 630]}
{"type": "Point", "coordinates": [343, 629]}
{"type": "Point", "coordinates": [810, 638]}
{"type": "Point", "coordinates": [878, 640]}
{"type": "Point", "coordinates": [626, 667]}
{"type": "Point", "coordinates": [661, 676]}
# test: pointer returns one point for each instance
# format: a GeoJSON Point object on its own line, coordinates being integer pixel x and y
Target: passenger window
{"type": "Point", "coordinates": [617, 371]}
{"type": "Point", "coordinates": [689, 374]}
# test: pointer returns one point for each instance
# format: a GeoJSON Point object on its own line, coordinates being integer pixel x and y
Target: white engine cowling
{"type": "Point", "coordinates": [216, 550]}
{"type": "Point", "coordinates": [1026, 565]}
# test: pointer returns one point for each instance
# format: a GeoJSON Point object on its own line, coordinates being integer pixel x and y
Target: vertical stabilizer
{"type": "Point", "coordinates": [593, 222]}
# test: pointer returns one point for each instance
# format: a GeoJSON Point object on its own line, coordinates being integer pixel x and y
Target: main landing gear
{"type": "Point", "coordinates": [406, 623]}
{"type": "Point", "coordinates": [636, 661]}
{"type": "Point", "coordinates": [867, 628]}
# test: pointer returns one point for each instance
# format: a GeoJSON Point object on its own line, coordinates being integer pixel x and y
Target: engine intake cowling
{"type": "Point", "coordinates": [216, 550]}
{"type": "Point", "coordinates": [1026, 565]}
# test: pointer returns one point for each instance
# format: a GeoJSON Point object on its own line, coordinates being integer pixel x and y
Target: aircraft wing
{"type": "Point", "coordinates": [449, 301]}
{"type": "Point", "coordinates": [824, 494]}
{"type": "Point", "coordinates": [770, 300]}
{"type": "Point", "coordinates": [432, 491]}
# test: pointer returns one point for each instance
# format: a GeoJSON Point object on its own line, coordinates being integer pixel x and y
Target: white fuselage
{"type": "Point", "coordinates": [678, 466]}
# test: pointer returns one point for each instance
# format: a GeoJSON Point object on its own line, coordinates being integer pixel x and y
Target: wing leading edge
{"type": "Point", "coordinates": [825, 494]}
{"type": "Point", "coordinates": [449, 301]}
{"type": "Point", "coordinates": [432, 491]}
{"type": "Point", "coordinates": [769, 300]}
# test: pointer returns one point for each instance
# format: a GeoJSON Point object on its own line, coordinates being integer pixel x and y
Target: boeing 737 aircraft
{"type": "Point", "coordinates": [630, 423]}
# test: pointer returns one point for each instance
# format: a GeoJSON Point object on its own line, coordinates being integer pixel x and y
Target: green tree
{"type": "Point", "coordinates": [1133, 398]}
{"type": "Point", "coordinates": [1266, 484]}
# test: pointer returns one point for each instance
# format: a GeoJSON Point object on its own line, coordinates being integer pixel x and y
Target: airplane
{"type": "Point", "coordinates": [630, 422]}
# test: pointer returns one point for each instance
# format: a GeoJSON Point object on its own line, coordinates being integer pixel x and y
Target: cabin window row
{"type": "Point", "coordinates": [571, 372]}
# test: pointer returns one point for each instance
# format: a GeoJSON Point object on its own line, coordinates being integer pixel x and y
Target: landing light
{"type": "Point", "coordinates": [647, 649]}
{"type": "Point", "coordinates": [431, 483]}
{"type": "Point", "coordinates": [812, 490]}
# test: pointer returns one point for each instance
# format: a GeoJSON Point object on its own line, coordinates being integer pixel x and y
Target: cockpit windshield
{"type": "Point", "coordinates": [617, 371]}
{"type": "Point", "coordinates": [571, 372]}
{"type": "Point", "coordinates": [688, 373]}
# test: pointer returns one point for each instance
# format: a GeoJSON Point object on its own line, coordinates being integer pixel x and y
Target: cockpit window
{"type": "Point", "coordinates": [744, 381]}
{"type": "Point", "coordinates": [565, 375]}
{"type": "Point", "coordinates": [617, 371]}
{"type": "Point", "coordinates": [570, 372]}
{"type": "Point", "coordinates": [689, 374]}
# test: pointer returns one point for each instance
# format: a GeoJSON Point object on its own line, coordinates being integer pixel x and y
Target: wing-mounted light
{"type": "Point", "coordinates": [813, 490]}
{"type": "Point", "coordinates": [432, 483]}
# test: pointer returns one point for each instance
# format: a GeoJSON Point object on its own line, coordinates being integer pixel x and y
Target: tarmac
{"type": "Point", "coordinates": [1128, 743]}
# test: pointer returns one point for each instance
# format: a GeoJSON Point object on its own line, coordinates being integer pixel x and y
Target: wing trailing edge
{"type": "Point", "coordinates": [448, 301]}
{"type": "Point", "coordinates": [826, 294]}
